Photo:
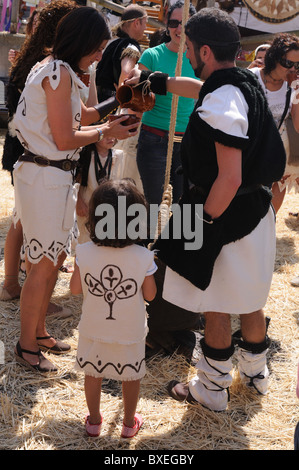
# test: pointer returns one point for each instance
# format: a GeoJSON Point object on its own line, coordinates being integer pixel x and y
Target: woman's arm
{"type": "Point", "coordinates": [61, 124]}
{"type": "Point", "coordinates": [228, 181]}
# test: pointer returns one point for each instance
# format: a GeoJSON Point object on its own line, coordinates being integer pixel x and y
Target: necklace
{"type": "Point", "coordinates": [275, 79]}
{"type": "Point", "coordinates": [265, 80]}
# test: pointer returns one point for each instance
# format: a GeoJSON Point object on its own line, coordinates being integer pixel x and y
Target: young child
{"type": "Point", "coordinates": [115, 276]}
{"type": "Point", "coordinates": [97, 161]}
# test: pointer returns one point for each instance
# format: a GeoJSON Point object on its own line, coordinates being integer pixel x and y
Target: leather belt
{"type": "Point", "coordinates": [160, 132]}
{"type": "Point", "coordinates": [65, 165]}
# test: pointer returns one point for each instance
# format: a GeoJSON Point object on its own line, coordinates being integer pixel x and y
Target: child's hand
{"type": "Point", "coordinates": [12, 55]}
{"type": "Point", "coordinates": [81, 207]}
{"type": "Point", "coordinates": [75, 282]}
{"type": "Point", "coordinates": [256, 63]}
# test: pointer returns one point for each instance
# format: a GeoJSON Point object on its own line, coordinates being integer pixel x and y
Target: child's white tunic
{"type": "Point", "coordinates": [113, 326]}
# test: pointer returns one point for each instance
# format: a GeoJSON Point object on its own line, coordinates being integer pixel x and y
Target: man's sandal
{"type": "Point", "coordinates": [58, 348]}
{"type": "Point", "coordinates": [44, 366]}
{"type": "Point", "coordinates": [128, 431]}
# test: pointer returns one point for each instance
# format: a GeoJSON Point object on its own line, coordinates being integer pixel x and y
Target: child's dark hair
{"type": "Point", "coordinates": [108, 192]}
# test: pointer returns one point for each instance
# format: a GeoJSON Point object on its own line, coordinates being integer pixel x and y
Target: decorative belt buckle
{"type": "Point", "coordinates": [67, 165]}
{"type": "Point", "coordinates": [41, 161]}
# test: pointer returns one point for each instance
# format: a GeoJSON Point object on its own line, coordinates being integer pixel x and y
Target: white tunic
{"type": "Point", "coordinates": [45, 197]}
{"type": "Point", "coordinates": [113, 325]}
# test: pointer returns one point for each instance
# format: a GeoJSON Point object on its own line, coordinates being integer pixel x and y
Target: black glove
{"type": "Point", "coordinates": [157, 81]}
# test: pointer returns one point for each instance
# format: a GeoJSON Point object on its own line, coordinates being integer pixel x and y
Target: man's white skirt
{"type": "Point", "coordinates": [241, 277]}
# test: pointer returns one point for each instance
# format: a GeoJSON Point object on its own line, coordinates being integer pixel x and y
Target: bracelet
{"type": "Point", "coordinates": [101, 133]}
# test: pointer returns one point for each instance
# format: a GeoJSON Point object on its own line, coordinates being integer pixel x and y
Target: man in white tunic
{"type": "Point", "coordinates": [231, 152]}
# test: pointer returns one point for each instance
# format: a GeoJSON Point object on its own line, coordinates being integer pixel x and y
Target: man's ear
{"type": "Point", "coordinates": [205, 52]}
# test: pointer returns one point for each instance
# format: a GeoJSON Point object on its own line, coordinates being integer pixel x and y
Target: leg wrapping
{"type": "Point", "coordinates": [252, 364]}
{"type": "Point", "coordinates": [211, 385]}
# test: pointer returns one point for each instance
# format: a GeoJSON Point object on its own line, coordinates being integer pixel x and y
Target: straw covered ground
{"type": "Point", "coordinates": [38, 413]}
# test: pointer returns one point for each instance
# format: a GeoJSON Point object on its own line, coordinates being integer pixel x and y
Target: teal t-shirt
{"type": "Point", "coordinates": [161, 59]}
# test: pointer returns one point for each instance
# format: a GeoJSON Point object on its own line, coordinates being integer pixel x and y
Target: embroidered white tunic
{"type": "Point", "coordinates": [113, 325]}
{"type": "Point", "coordinates": [45, 197]}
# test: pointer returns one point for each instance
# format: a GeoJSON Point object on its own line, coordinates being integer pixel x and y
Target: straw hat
{"type": "Point", "coordinates": [273, 11]}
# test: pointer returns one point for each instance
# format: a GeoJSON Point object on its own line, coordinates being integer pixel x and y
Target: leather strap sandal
{"type": "Point", "coordinates": [44, 366]}
{"type": "Point", "coordinates": [58, 348]}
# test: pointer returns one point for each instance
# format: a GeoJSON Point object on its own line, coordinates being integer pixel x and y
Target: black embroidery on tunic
{"type": "Point", "coordinates": [23, 102]}
{"type": "Point", "coordinates": [111, 286]}
{"type": "Point", "coordinates": [119, 368]}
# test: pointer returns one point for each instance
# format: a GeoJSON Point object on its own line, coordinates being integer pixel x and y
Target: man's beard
{"type": "Point", "coordinates": [199, 66]}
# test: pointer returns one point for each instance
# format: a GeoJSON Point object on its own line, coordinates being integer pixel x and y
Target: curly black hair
{"type": "Point", "coordinates": [37, 45]}
{"type": "Point", "coordinates": [281, 45]}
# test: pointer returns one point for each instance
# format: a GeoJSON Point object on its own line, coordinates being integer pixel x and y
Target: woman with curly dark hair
{"type": "Point", "coordinates": [282, 61]}
{"type": "Point", "coordinates": [34, 49]}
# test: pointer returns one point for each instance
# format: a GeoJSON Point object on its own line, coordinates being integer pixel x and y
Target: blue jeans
{"type": "Point", "coordinates": [151, 162]}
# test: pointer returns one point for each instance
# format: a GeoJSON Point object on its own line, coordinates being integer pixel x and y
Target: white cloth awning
{"type": "Point", "coordinates": [244, 18]}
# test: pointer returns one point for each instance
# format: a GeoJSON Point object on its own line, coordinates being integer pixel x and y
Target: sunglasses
{"type": "Point", "coordinates": [288, 64]}
{"type": "Point", "coordinates": [173, 23]}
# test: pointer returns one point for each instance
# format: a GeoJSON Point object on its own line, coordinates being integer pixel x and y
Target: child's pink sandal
{"type": "Point", "coordinates": [128, 432]}
{"type": "Point", "coordinates": [93, 430]}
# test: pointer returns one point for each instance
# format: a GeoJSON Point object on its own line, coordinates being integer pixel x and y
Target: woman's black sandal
{"type": "Point", "coordinates": [43, 366]}
{"type": "Point", "coordinates": [58, 348]}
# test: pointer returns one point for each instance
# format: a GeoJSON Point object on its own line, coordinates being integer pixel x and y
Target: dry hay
{"type": "Point", "coordinates": [40, 413]}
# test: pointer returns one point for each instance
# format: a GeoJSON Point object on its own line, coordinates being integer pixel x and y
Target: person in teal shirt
{"type": "Point", "coordinates": [153, 138]}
